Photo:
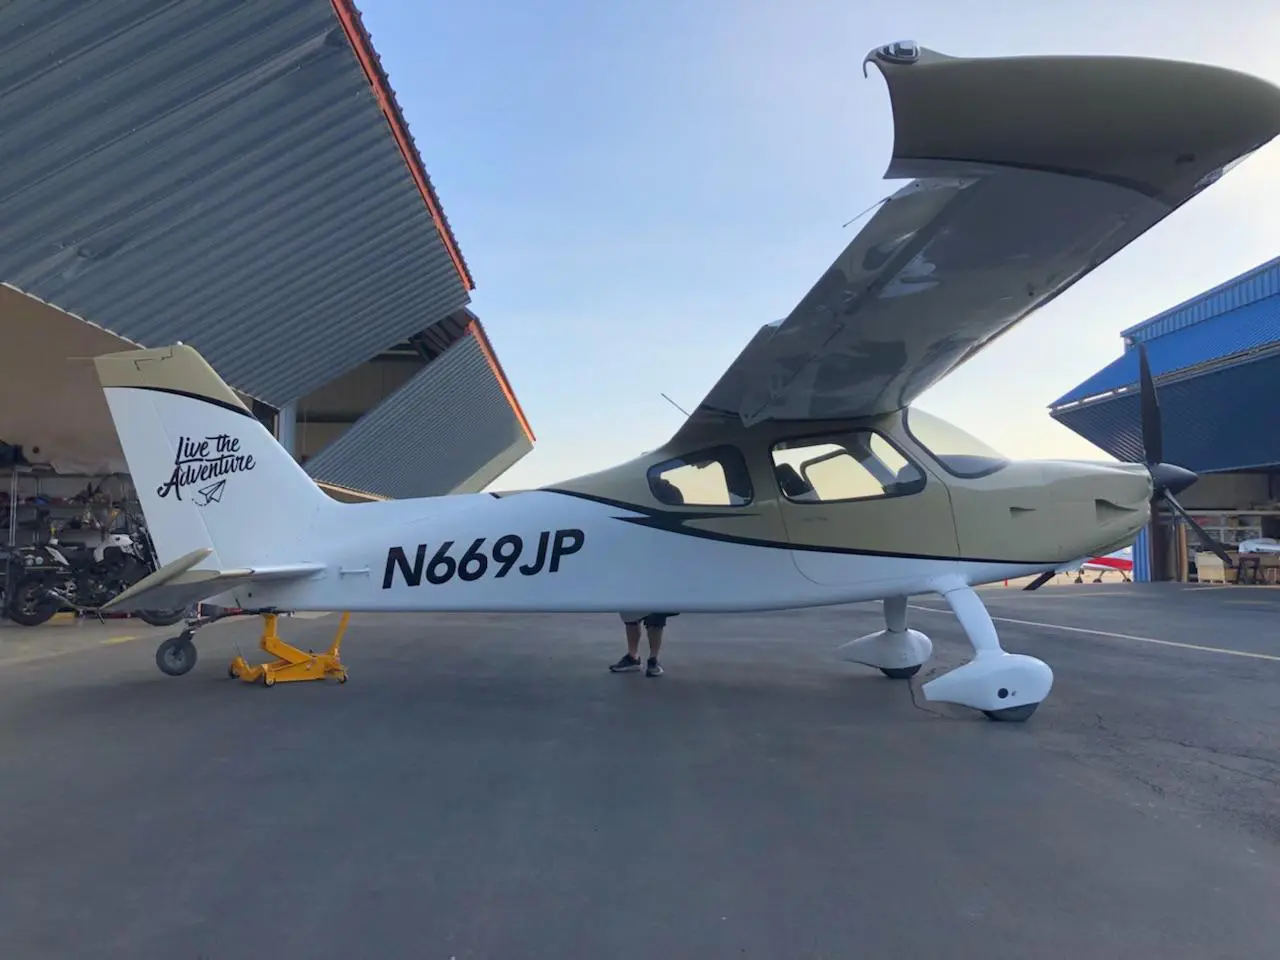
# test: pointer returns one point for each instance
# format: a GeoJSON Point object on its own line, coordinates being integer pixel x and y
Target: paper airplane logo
{"type": "Point", "coordinates": [210, 494]}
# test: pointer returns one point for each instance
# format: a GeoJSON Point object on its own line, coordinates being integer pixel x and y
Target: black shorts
{"type": "Point", "coordinates": [655, 621]}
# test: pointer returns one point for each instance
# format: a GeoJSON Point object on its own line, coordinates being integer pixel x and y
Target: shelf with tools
{"type": "Point", "coordinates": [1230, 528]}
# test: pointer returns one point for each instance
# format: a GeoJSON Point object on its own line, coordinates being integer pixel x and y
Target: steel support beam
{"type": "Point", "coordinates": [287, 427]}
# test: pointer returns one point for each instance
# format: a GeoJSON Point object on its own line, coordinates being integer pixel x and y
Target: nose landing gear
{"type": "Point", "coordinates": [1004, 686]}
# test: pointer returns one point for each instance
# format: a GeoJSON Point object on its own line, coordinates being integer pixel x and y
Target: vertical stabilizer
{"type": "Point", "coordinates": [208, 473]}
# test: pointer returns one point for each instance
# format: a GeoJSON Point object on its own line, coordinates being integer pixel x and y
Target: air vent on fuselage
{"type": "Point", "coordinates": [1108, 511]}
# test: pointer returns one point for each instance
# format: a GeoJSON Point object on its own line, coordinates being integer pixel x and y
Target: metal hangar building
{"type": "Point", "coordinates": [239, 177]}
{"type": "Point", "coordinates": [1215, 360]}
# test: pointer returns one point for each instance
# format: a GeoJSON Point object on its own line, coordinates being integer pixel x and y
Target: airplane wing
{"type": "Point", "coordinates": [181, 583]}
{"type": "Point", "coordinates": [1030, 172]}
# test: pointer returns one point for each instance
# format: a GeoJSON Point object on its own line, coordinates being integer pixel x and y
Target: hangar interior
{"type": "Point", "coordinates": [1215, 360]}
{"type": "Point", "coordinates": [240, 178]}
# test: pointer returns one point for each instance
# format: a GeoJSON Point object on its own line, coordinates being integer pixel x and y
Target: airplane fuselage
{"type": "Point", "coordinates": [548, 551]}
{"type": "Point", "coordinates": [606, 542]}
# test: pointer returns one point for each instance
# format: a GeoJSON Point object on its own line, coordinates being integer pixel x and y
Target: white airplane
{"type": "Point", "coordinates": [805, 477]}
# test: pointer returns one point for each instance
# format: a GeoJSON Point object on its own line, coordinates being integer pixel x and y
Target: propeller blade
{"type": "Point", "coordinates": [1208, 541]}
{"type": "Point", "coordinates": [1041, 580]}
{"type": "Point", "coordinates": [1152, 429]}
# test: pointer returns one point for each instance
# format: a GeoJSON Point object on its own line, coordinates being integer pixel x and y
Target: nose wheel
{"type": "Point", "coordinates": [1004, 686]}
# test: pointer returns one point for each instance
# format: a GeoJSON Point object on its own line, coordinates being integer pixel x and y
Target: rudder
{"type": "Point", "coordinates": [208, 473]}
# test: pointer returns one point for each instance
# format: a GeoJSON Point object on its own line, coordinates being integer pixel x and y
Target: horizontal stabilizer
{"type": "Point", "coordinates": [178, 584]}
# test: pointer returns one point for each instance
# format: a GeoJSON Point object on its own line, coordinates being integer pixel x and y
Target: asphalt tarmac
{"type": "Point", "coordinates": [483, 787]}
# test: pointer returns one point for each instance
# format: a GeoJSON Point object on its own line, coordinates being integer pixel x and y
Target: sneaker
{"type": "Point", "coordinates": [654, 669]}
{"type": "Point", "coordinates": [626, 664]}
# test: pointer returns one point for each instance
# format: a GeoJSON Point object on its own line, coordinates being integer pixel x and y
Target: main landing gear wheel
{"type": "Point", "coordinates": [176, 656]}
{"type": "Point", "coordinates": [896, 651]}
{"type": "Point", "coordinates": [901, 673]}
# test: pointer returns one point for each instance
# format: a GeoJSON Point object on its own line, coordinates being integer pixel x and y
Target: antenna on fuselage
{"type": "Point", "coordinates": [883, 200]}
{"type": "Point", "coordinates": [673, 403]}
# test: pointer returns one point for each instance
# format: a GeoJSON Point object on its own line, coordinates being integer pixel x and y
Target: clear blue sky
{"type": "Point", "coordinates": [637, 186]}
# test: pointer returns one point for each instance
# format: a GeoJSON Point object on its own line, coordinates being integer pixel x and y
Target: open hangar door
{"type": "Point", "coordinates": [430, 416]}
{"type": "Point", "coordinates": [63, 479]}
{"type": "Point", "coordinates": [1234, 508]}
{"type": "Point", "coordinates": [1216, 363]}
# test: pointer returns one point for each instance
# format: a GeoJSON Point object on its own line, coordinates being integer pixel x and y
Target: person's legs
{"type": "Point", "coordinates": [654, 624]}
{"type": "Point", "coordinates": [654, 632]}
{"type": "Point", "coordinates": [633, 639]}
{"type": "Point", "coordinates": [631, 659]}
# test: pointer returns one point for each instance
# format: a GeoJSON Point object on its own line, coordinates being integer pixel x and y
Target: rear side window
{"type": "Point", "coordinates": [716, 477]}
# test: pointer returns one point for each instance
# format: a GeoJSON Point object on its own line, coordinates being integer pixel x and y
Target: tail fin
{"type": "Point", "coordinates": [209, 474]}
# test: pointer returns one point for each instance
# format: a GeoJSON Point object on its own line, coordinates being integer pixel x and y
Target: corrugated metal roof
{"type": "Point", "coordinates": [1247, 330]}
{"type": "Point", "coordinates": [1256, 284]}
{"type": "Point", "coordinates": [362, 42]}
{"type": "Point", "coordinates": [1219, 420]}
{"type": "Point", "coordinates": [432, 435]}
{"type": "Point", "coordinates": [220, 173]}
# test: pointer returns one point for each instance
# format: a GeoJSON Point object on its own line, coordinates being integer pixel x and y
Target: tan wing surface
{"type": "Point", "coordinates": [1031, 171]}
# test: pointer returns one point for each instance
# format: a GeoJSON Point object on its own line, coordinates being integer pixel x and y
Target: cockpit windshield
{"type": "Point", "coordinates": [959, 453]}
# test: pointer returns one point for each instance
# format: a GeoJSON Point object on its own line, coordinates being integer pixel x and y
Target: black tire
{"type": "Point", "coordinates": [901, 673]}
{"type": "Point", "coordinates": [1012, 714]}
{"type": "Point", "coordinates": [28, 606]}
{"type": "Point", "coordinates": [161, 618]}
{"type": "Point", "coordinates": [176, 656]}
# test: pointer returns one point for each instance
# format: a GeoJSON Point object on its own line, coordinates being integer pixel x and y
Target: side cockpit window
{"type": "Point", "coordinates": [717, 477]}
{"type": "Point", "coordinates": [856, 465]}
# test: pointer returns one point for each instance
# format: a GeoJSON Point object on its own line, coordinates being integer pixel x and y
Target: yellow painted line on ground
{"type": "Point", "coordinates": [1116, 636]}
{"type": "Point", "coordinates": [111, 640]}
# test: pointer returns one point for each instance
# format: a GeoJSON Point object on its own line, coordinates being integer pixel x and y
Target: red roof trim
{"type": "Point", "coordinates": [476, 328]}
{"type": "Point", "coordinates": [362, 44]}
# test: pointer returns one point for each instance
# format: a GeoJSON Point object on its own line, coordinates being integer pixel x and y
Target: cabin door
{"type": "Point", "coordinates": [850, 498]}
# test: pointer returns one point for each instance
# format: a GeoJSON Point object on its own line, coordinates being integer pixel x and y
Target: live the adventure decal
{"type": "Point", "coordinates": [475, 562]}
{"type": "Point", "coordinates": [206, 461]}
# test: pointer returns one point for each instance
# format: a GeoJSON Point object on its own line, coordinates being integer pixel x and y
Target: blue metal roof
{"type": "Point", "coordinates": [1256, 284]}
{"type": "Point", "coordinates": [1241, 333]}
{"type": "Point", "coordinates": [1211, 421]}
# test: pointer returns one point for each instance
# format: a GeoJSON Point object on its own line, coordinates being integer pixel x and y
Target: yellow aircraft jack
{"type": "Point", "coordinates": [291, 664]}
